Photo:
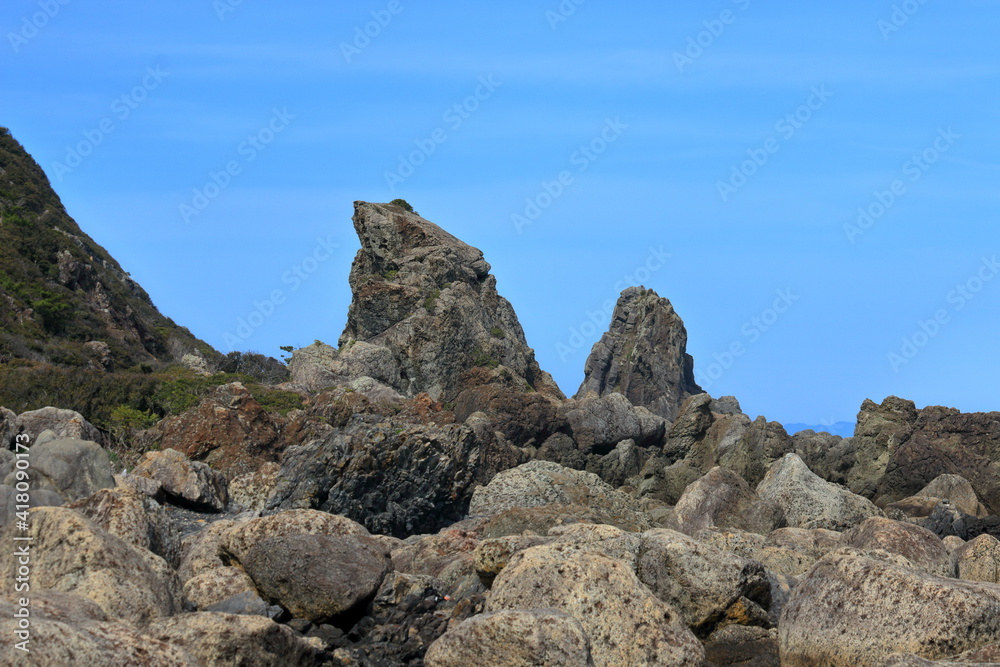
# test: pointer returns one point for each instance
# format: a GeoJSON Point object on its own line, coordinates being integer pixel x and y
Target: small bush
{"type": "Point", "coordinates": [403, 204]}
{"type": "Point", "coordinates": [431, 300]}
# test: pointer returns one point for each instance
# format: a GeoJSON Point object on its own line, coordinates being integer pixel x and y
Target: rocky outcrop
{"type": "Point", "coordinates": [900, 450]}
{"type": "Point", "coordinates": [186, 483]}
{"type": "Point", "coordinates": [395, 478]}
{"type": "Point", "coordinates": [643, 355]}
{"type": "Point", "coordinates": [62, 423]}
{"type": "Point", "coordinates": [72, 468]}
{"type": "Point", "coordinates": [598, 424]}
{"type": "Point", "coordinates": [228, 430]}
{"type": "Point", "coordinates": [853, 611]}
{"type": "Point", "coordinates": [722, 499]}
{"type": "Point", "coordinates": [979, 560]}
{"type": "Point", "coordinates": [425, 312]}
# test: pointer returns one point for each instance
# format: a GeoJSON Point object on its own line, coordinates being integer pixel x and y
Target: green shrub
{"type": "Point", "coordinates": [431, 300]}
{"type": "Point", "coordinates": [403, 204]}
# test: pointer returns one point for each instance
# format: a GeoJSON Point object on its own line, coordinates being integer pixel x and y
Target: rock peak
{"type": "Point", "coordinates": [426, 315]}
{"type": "Point", "coordinates": [643, 355]}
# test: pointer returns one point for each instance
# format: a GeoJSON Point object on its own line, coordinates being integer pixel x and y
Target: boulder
{"type": "Point", "coordinates": [625, 622]}
{"type": "Point", "coordinates": [600, 423]}
{"type": "Point", "coordinates": [722, 499]}
{"type": "Point", "coordinates": [68, 629]}
{"type": "Point", "coordinates": [829, 456]}
{"type": "Point", "coordinates": [186, 483]}
{"type": "Point", "coordinates": [918, 545]}
{"type": "Point", "coordinates": [200, 552]}
{"type": "Point", "coordinates": [540, 483]}
{"type": "Point", "coordinates": [643, 355]}
{"type": "Point", "coordinates": [810, 502]}
{"type": "Point", "coordinates": [135, 518]}
{"type": "Point", "coordinates": [37, 498]}
{"type": "Point", "coordinates": [792, 551]}
{"type": "Point", "coordinates": [524, 418]}
{"type": "Point", "coordinates": [448, 557]}
{"type": "Point", "coordinates": [743, 645]}
{"type": "Point", "coordinates": [70, 553]}
{"type": "Point", "coordinates": [228, 639]}
{"type": "Point", "coordinates": [72, 468]}
{"type": "Point", "coordinates": [425, 311]}
{"type": "Point", "coordinates": [620, 464]}
{"type": "Point", "coordinates": [707, 586]}
{"type": "Point", "coordinates": [512, 638]}
{"type": "Point", "coordinates": [62, 423]}
{"type": "Point", "coordinates": [321, 578]}
{"type": "Point", "coordinates": [852, 610]}
{"type": "Point", "coordinates": [493, 555]}
{"type": "Point", "coordinates": [228, 430]}
{"type": "Point", "coordinates": [311, 366]}
{"type": "Point", "coordinates": [393, 477]}
{"type": "Point", "coordinates": [236, 541]}
{"type": "Point", "coordinates": [958, 491]}
{"type": "Point", "coordinates": [215, 586]}
{"type": "Point", "coordinates": [979, 560]}
{"type": "Point", "coordinates": [539, 520]}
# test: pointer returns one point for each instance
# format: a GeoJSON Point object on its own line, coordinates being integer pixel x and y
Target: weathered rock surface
{"type": "Point", "coordinates": [228, 430]}
{"type": "Point", "coordinates": [792, 551]}
{"type": "Point", "coordinates": [321, 578]}
{"type": "Point", "coordinates": [236, 540]}
{"type": "Point", "coordinates": [540, 483]}
{"type": "Point", "coordinates": [9, 502]}
{"type": "Point", "coordinates": [227, 639]}
{"type": "Point", "coordinates": [643, 355]}
{"type": "Point", "coordinates": [136, 518]}
{"type": "Point", "coordinates": [852, 610]}
{"type": "Point", "coordinates": [810, 502]}
{"type": "Point", "coordinates": [214, 586]}
{"type": "Point", "coordinates": [900, 450]}
{"type": "Point", "coordinates": [626, 624]}
{"type": "Point", "coordinates": [72, 468]}
{"type": "Point", "coordinates": [743, 645]}
{"type": "Point", "coordinates": [722, 499]}
{"type": "Point", "coordinates": [8, 427]}
{"type": "Point", "coordinates": [186, 483]}
{"type": "Point", "coordinates": [707, 586]}
{"type": "Point", "coordinates": [540, 519]}
{"type": "Point", "coordinates": [958, 491]}
{"type": "Point", "coordinates": [918, 545]}
{"type": "Point", "coordinates": [311, 366]}
{"type": "Point", "coordinates": [70, 553]}
{"type": "Point", "coordinates": [252, 490]}
{"type": "Point", "coordinates": [62, 423]}
{"type": "Point", "coordinates": [67, 629]}
{"type": "Point", "coordinates": [395, 479]}
{"type": "Point", "coordinates": [829, 456]}
{"type": "Point", "coordinates": [426, 311]}
{"type": "Point", "coordinates": [600, 423]}
{"type": "Point", "coordinates": [448, 557]}
{"type": "Point", "coordinates": [979, 560]}
{"type": "Point", "coordinates": [512, 638]}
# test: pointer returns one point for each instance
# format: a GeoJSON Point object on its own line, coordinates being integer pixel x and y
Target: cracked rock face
{"type": "Point", "coordinates": [426, 312]}
{"type": "Point", "coordinates": [643, 355]}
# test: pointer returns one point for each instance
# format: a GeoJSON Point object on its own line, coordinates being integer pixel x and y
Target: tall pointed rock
{"type": "Point", "coordinates": [426, 316]}
{"type": "Point", "coordinates": [643, 355]}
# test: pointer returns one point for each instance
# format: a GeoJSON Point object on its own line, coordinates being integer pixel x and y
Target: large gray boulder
{"type": "Point", "coordinates": [9, 502]}
{"type": "Point", "coordinates": [321, 578]}
{"type": "Point", "coordinates": [849, 610]}
{"type": "Point", "coordinates": [722, 499]}
{"type": "Point", "coordinates": [625, 622]}
{"type": "Point", "coordinates": [512, 638]}
{"type": "Point", "coordinates": [72, 468]}
{"type": "Point", "coordinates": [810, 502]}
{"type": "Point", "coordinates": [643, 355]}
{"type": "Point", "coordinates": [425, 312]}
{"type": "Point", "coordinates": [600, 423]}
{"type": "Point", "coordinates": [541, 483]}
{"type": "Point", "coordinates": [70, 553]}
{"type": "Point", "coordinates": [187, 483]}
{"type": "Point", "coordinates": [922, 548]}
{"type": "Point", "coordinates": [62, 423]}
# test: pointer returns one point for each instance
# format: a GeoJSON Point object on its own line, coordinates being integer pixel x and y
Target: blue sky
{"type": "Point", "coordinates": [717, 152]}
